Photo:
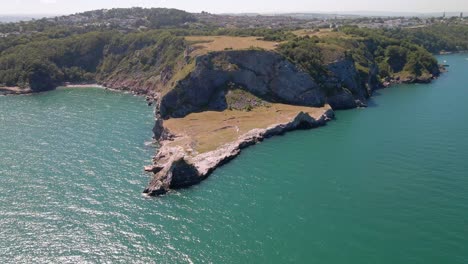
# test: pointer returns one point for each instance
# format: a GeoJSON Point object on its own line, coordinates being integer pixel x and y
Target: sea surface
{"type": "Point", "coordinates": [386, 184]}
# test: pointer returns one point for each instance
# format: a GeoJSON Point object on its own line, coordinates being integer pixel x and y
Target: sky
{"type": "Point", "coordinates": [234, 6]}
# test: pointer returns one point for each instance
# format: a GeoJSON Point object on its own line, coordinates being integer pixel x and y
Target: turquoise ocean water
{"type": "Point", "coordinates": [386, 184]}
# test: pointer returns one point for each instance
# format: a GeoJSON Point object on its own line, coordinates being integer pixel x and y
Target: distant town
{"type": "Point", "coordinates": [132, 21]}
{"type": "Point", "coordinates": [303, 21]}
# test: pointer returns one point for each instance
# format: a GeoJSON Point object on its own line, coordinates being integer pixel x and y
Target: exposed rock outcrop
{"type": "Point", "coordinates": [265, 74]}
{"type": "Point", "coordinates": [176, 167]}
{"type": "Point", "coordinates": [268, 76]}
{"type": "Point", "coordinates": [14, 91]}
{"type": "Point", "coordinates": [351, 89]}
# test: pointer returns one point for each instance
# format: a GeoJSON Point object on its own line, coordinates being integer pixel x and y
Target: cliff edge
{"type": "Point", "coordinates": [194, 146]}
{"type": "Point", "coordinates": [233, 99]}
{"type": "Point", "coordinates": [223, 101]}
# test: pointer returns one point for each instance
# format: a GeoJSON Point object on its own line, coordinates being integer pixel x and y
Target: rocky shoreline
{"type": "Point", "coordinates": [26, 91]}
{"type": "Point", "coordinates": [413, 80]}
{"type": "Point", "coordinates": [14, 91]}
{"type": "Point", "coordinates": [290, 99]}
{"type": "Point", "coordinates": [175, 167]}
{"type": "Point", "coordinates": [267, 75]}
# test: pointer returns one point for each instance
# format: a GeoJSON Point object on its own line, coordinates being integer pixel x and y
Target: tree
{"type": "Point", "coordinates": [396, 57]}
{"type": "Point", "coordinates": [43, 76]}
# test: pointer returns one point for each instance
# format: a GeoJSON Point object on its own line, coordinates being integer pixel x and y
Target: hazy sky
{"type": "Point", "coordinates": [234, 6]}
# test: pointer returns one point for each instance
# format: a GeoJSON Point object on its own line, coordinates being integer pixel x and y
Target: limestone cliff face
{"type": "Point", "coordinates": [352, 90]}
{"type": "Point", "coordinates": [265, 74]}
{"type": "Point", "coordinates": [269, 76]}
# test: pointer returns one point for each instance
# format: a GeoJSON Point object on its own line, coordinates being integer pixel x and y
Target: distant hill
{"type": "Point", "coordinates": [149, 17]}
{"type": "Point", "coordinates": [19, 17]}
{"type": "Point", "coordinates": [318, 15]}
{"type": "Point", "coordinates": [117, 17]}
{"type": "Point", "coordinates": [351, 14]}
{"type": "Point", "coordinates": [309, 15]}
{"type": "Point", "coordinates": [400, 14]}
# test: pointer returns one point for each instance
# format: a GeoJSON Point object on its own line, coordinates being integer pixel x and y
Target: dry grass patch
{"type": "Point", "coordinates": [206, 131]}
{"type": "Point", "coordinates": [205, 44]}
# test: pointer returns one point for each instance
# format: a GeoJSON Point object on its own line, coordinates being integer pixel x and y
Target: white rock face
{"type": "Point", "coordinates": [175, 167]}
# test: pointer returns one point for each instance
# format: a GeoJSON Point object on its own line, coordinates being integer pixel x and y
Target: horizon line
{"type": "Point", "coordinates": [246, 12]}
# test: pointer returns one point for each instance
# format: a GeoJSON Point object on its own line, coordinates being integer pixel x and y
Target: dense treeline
{"type": "Point", "coordinates": [141, 55]}
{"type": "Point", "coordinates": [435, 38]}
{"type": "Point", "coordinates": [395, 56]}
{"type": "Point", "coordinates": [44, 64]}
{"type": "Point", "coordinates": [150, 17]}
{"type": "Point", "coordinates": [306, 53]}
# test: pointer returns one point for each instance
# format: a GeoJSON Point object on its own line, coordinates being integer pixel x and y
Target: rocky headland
{"type": "Point", "coordinates": [191, 148]}
{"type": "Point", "coordinates": [234, 99]}
{"type": "Point", "coordinates": [229, 100]}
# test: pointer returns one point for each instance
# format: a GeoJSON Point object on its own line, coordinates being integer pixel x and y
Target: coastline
{"type": "Point", "coordinates": [176, 165]}
{"type": "Point", "coordinates": [186, 157]}
{"type": "Point", "coordinates": [14, 91]}
{"type": "Point", "coordinates": [452, 52]}
{"type": "Point", "coordinates": [91, 85]}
